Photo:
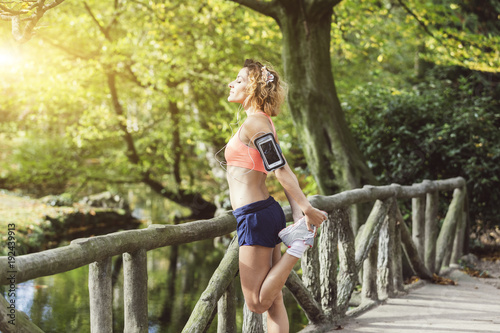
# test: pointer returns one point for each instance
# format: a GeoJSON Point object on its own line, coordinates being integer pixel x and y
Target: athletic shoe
{"type": "Point", "coordinates": [297, 231]}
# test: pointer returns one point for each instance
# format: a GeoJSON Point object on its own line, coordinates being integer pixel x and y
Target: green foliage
{"type": "Point", "coordinates": [43, 165]}
{"type": "Point", "coordinates": [172, 62]}
{"type": "Point", "coordinates": [463, 33]}
{"type": "Point", "coordinates": [437, 129]}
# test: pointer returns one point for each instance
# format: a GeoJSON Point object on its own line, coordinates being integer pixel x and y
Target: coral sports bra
{"type": "Point", "coordinates": [239, 154]}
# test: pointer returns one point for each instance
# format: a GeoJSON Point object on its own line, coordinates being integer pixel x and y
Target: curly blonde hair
{"type": "Point", "coordinates": [264, 94]}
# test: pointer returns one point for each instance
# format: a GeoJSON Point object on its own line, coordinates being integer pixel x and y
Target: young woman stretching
{"type": "Point", "coordinates": [263, 271]}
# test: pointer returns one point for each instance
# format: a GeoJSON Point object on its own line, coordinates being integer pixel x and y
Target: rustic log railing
{"type": "Point", "coordinates": [330, 269]}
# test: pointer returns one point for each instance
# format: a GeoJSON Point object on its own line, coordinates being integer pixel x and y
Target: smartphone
{"type": "Point", "coordinates": [270, 152]}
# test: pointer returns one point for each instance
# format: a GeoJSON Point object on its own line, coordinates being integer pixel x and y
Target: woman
{"type": "Point", "coordinates": [263, 271]}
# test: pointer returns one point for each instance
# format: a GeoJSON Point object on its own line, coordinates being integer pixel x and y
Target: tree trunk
{"type": "Point", "coordinates": [332, 154]}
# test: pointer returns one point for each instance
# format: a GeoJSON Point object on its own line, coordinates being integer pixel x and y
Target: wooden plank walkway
{"type": "Point", "coordinates": [471, 306]}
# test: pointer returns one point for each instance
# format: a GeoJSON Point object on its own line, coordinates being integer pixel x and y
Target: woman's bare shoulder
{"type": "Point", "coordinates": [258, 122]}
{"type": "Point", "coordinates": [254, 126]}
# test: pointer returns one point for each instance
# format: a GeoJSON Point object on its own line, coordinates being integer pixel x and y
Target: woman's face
{"type": "Point", "coordinates": [237, 92]}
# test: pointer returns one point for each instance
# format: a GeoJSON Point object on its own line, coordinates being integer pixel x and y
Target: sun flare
{"type": "Point", "coordinates": [9, 58]}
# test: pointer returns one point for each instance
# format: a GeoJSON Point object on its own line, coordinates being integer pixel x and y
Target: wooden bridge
{"type": "Point", "coordinates": [331, 270]}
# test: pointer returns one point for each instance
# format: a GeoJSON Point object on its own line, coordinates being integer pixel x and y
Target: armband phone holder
{"type": "Point", "coordinates": [270, 152]}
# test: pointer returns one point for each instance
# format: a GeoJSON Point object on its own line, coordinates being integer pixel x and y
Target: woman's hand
{"type": "Point", "coordinates": [314, 217]}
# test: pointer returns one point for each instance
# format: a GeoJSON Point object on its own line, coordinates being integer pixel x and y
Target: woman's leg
{"type": "Point", "coordinates": [277, 318]}
{"type": "Point", "coordinates": [262, 282]}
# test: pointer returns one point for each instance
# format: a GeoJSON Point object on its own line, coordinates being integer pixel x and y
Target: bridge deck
{"type": "Point", "coordinates": [471, 306]}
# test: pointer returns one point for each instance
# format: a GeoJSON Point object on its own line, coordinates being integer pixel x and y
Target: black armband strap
{"type": "Point", "coordinates": [270, 151]}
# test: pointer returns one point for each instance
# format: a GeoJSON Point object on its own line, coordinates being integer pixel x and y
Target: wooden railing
{"type": "Point", "coordinates": [330, 269]}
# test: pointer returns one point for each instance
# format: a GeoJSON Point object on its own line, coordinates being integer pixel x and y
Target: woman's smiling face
{"type": "Point", "coordinates": [237, 92]}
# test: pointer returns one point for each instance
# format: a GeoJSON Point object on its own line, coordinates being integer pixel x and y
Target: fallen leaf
{"type": "Point", "coordinates": [442, 280]}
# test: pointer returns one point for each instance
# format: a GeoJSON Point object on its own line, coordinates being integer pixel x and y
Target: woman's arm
{"type": "Point", "coordinates": [296, 211]}
{"type": "Point", "coordinates": [258, 124]}
{"type": "Point", "coordinates": [289, 181]}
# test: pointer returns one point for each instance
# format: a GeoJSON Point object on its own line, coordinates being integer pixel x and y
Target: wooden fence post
{"type": "Point", "coordinates": [357, 248]}
{"type": "Point", "coordinates": [467, 225]}
{"type": "Point", "coordinates": [397, 259]}
{"type": "Point", "coordinates": [367, 236]}
{"type": "Point", "coordinates": [458, 243]}
{"type": "Point", "coordinates": [311, 308]}
{"type": "Point", "coordinates": [347, 275]}
{"type": "Point", "coordinates": [135, 291]}
{"type": "Point", "coordinates": [418, 224]}
{"type": "Point", "coordinates": [311, 270]}
{"type": "Point", "coordinates": [431, 229]}
{"type": "Point", "coordinates": [328, 254]}
{"type": "Point", "coordinates": [369, 286]}
{"type": "Point", "coordinates": [385, 254]}
{"type": "Point", "coordinates": [252, 322]}
{"type": "Point", "coordinates": [101, 297]}
{"type": "Point", "coordinates": [222, 277]}
{"type": "Point", "coordinates": [411, 251]}
{"type": "Point", "coordinates": [226, 311]}
{"type": "Point", "coordinates": [448, 230]}
{"type": "Point", "coordinates": [22, 321]}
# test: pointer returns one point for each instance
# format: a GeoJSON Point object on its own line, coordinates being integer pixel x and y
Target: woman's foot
{"type": "Point", "coordinates": [297, 231]}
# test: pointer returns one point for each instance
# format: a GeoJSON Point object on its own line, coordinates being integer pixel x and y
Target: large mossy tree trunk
{"type": "Point", "coordinates": [329, 147]}
{"type": "Point", "coordinates": [332, 154]}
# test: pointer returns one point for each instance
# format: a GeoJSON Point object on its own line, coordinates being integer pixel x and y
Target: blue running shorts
{"type": "Point", "coordinates": [260, 222]}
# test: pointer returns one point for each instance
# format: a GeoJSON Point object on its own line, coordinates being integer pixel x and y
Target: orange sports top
{"type": "Point", "coordinates": [239, 154]}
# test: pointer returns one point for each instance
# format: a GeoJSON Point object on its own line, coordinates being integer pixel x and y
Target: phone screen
{"type": "Point", "coordinates": [270, 152]}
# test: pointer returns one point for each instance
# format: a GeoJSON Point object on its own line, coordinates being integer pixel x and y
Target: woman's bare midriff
{"type": "Point", "coordinates": [246, 186]}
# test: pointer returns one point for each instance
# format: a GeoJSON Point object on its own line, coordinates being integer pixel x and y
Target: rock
{"type": "Point", "coordinates": [469, 260]}
{"type": "Point", "coordinates": [106, 200]}
{"type": "Point", "coordinates": [62, 200]}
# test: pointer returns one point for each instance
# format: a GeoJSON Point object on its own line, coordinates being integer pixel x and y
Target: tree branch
{"type": "Point", "coordinates": [23, 35]}
{"type": "Point", "coordinates": [317, 7]}
{"type": "Point", "coordinates": [11, 11]}
{"type": "Point", "coordinates": [53, 4]}
{"type": "Point", "coordinates": [426, 29]}
{"type": "Point", "coordinates": [132, 154]}
{"type": "Point", "coordinates": [267, 8]}
{"type": "Point", "coordinates": [422, 24]}
{"type": "Point", "coordinates": [68, 50]}
{"type": "Point", "coordinates": [104, 31]}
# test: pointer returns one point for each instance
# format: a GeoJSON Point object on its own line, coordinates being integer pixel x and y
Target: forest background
{"type": "Point", "coordinates": [108, 94]}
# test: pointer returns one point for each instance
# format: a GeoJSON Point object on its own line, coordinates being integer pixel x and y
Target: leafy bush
{"type": "Point", "coordinates": [438, 129]}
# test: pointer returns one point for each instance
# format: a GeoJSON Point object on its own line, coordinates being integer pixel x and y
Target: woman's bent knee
{"type": "Point", "coordinates": [259, 308]}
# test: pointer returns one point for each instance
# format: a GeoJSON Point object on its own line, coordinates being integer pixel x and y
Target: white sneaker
{"type": "Point", "coordinates": [297, 231]}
